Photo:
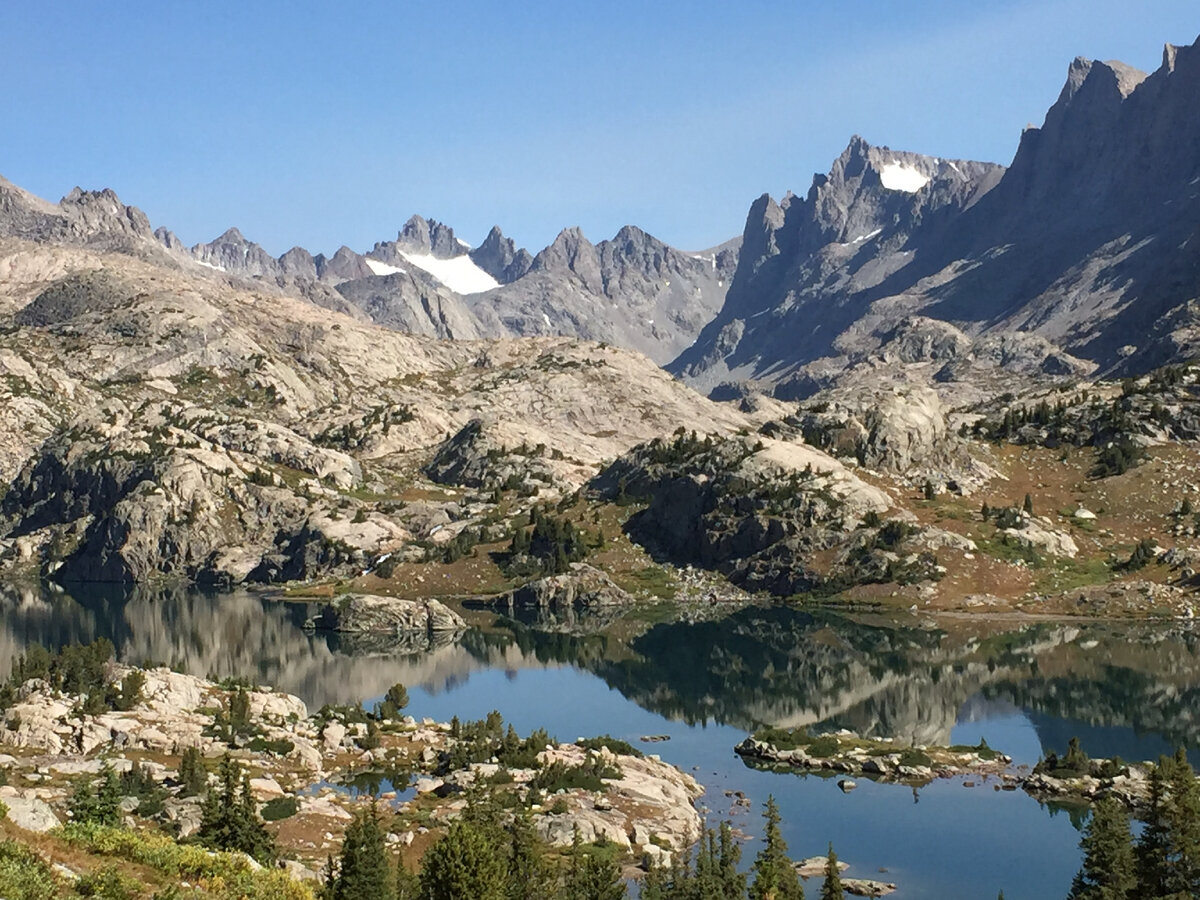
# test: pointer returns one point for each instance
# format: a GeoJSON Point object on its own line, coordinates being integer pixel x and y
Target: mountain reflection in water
{"type": "Point", "coordinates": [1129, 688]}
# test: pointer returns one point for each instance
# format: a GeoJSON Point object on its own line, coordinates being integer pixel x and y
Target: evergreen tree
{"type": "Point", "coordinates": [192, 773]}
{"type": "Point", "coordinates": [1108, 866]}
{"type": "Point", "coordinates": [229, 817]}
{"type": "Point", "coordinates": [591, 876]}
{"type": "Point", "coordinates": [1183, 828]}
{"type": "Point", "coordinates": [464, 863]}
{"type": "Point", "coordinates": [363, 871]}
{"type": "Point", "coordinates": [1154, 845]}
{"type": "Point", "coordinates": [408, 884]}
{"type": "Point", "coordinates": [775, 877]}
{"type": "Point", "coordinates": [97, 801]}
{"type": "Point", "coordinates": [394, 700]}
{"type": "Point", "coordinates": [831, 888]}
{"type": "Point", "coordinates": [530, 875]}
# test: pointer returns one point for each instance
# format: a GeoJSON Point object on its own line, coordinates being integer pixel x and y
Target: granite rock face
{"type": "Point", "coordinates": [388, 615]}
{"type": "Point", "coordinates": [1083, 241]}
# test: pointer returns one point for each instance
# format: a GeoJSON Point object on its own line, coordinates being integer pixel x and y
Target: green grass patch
{"type": "Point", "coordinates": [783, 738]}
{"type": "Point", "coordinates": [614, 745]}
{"type": "Point", "coordinates": [1060, 575]}
{"type": "Point", "coordinates": [653, 580]}
{"type": "Point", "coordinates": [983, 751]}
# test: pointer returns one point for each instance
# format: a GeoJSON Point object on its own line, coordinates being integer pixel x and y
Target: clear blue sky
{"type": "Point", "coordinates": [322, 124]}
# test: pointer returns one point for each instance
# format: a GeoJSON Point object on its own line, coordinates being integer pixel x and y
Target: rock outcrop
{"type": "Point", "coordinates": [584, 587]}
{"type": "Point", "coordinates": [388, 615]}
{"type": "Point", "coordinates": [763, 511]}
{"type": "Point", "coordinates": [1084, 241]}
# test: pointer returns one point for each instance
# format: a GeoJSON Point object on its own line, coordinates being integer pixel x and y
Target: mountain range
{"type": "Point", "coordinates": [1089, 239]}
{"type": "Point", "coordinates": [632, 291]}
{"type": "Point", "coordinates": [1087, 242]}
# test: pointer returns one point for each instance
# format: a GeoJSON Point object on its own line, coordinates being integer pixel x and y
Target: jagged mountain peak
{"type": "Point", "coordinates": [231, 236]}
{"type": "Point", "coordinates": [431, 237]}
{"type": "Point", "coordinates": [499, 257]}
{"type": "Point", "coordinates": [1087, 240]}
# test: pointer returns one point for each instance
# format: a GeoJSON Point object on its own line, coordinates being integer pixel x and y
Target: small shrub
{"type": "Point", "coordinates": [107, 884]}
{"type": "Point", "coordinates": [280, 808]}
{"type": "Point", "coordinates": [825, 746]}
{"type": "Point", "coordinates": [912, 757]}
{"type": "Point", "coordinates": [612, 744]}
{"type": "Point", "coordinates": [279, 746]}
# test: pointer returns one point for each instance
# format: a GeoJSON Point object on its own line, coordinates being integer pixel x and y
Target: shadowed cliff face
{"type": "Point", "coordinates": [906, 680]}
{"type": "Point", "coordinates": [1086, 240]}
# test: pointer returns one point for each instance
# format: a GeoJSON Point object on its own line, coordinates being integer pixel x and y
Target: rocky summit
{"type": "Point", "coordinates": [1082, 241]}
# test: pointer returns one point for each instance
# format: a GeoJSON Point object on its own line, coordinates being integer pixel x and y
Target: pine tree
{"type": "Point", "coordinates": [1108, 866]}
{"type": "Point", "coordinates": [229, 817]}
{"type": "Point", "coordinates": [394, 700]}
{"type": "Point", "coordinates": [831, 888]}
{"type": "Point", "coordinates": [775, 877]}
{"type": "Point", "coordinates": [464, 863]}
{"type": "Point", "coordinates": [1154, 844]}
{"type": "Point", "coordinates": [1183, 828]}
{"type": "Point", "coordinates": [192, 773]}
{"type": "Point", "coordinates": [530, 875]}
{"type": "Point", "coordinates": [363, 869]}
{"type": "Point", "coordinates": [591, 876]}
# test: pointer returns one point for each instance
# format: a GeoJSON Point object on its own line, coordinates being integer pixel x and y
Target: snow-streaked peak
{"type": "Point", "coordinates": [459, 273]}
{"type": "Point", "coordinates": [900, 177]}
{"type": "Point", "coordinates": [381, 268]}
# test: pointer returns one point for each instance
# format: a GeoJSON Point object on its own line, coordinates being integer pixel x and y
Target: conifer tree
{"type": "Point", "coordinates": [229, 817]}
{"type": "Point", "coordinates": [1108, 866]}
{"type": "Point", "coordinates": [363, 871]}
{"type": "Point", "coordinates": [1183, 828]}
{"type": "Point", "coordinates": [530, 875]}
{"type": "Point", "coordinates": [831, 888]}
{"type": "Point", "coordinates": [464, 863]}
{"type": "Point", "coordinates": [591, 876]}
{"type": "Point", "coordinates": [775, 877]}
{"type": "Point", "coordinates": [192, 773]}
{"type": "Point", "coordinates": [1154, 845]}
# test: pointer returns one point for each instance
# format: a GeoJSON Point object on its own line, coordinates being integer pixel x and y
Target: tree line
{"type": "Point", "coordinates": [1164, 862]}
{"type": "Point", "coordinates": [488, 854]}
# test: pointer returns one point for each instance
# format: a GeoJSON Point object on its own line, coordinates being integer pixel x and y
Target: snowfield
{"type": "Point", "coordinates": [381, 268]}
{"type": "Point", "coordinates": [899, 177]}
{"type": "Point", "coordinates": [460, 273]}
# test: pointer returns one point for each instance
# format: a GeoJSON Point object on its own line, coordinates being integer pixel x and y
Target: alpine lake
{"type": "Point", "coordinates": [701, 682]}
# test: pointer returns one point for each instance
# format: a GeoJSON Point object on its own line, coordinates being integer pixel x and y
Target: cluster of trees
{"type": "Point", "coordinates": [488, 855]}
{"type": "Point", "coordinates": [80, 669]}
{"type": "Point", "coordinates": [229, 814]}
{"type": "Point", "coordinates": [229, 817]}
{"type": "Point", "coordinates": [1164, 863]}
{"type": "Point", "coordinates": [549, 547]}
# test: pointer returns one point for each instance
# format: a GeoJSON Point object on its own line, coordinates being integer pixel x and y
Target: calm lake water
{"type": "Point", "coordinates": [1027, 688]}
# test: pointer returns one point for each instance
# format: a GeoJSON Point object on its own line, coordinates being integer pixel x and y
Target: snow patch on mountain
{"type": "Point", "coordinates": [899, 177]}
{"type": "Point", "coordinates": [458, 273]}
{"type": "Point", "coordinates": [381, 268]}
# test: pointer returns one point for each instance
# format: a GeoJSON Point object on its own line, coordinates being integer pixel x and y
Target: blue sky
{"type": "Point", "coordinates": [321, 124]}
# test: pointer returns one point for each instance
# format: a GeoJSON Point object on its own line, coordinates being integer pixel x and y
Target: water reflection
{"type": "Point", "coordinates": [1127, 689]}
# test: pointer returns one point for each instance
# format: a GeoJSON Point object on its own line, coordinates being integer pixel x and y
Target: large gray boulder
{"type": "Point", "coordinates": [30, 813]}
{"type": "Point", "coordinates": [583, 587]}
{"type": "Point", "coordinates": [374, 614]}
